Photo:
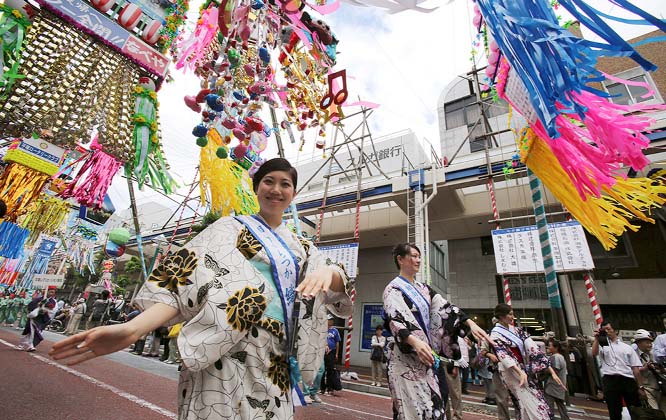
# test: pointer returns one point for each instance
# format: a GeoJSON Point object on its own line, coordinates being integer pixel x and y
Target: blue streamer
{"type": "Point", "coordinates": [12, 240]}
{"type": "Point", "coordinates": [550, 61]}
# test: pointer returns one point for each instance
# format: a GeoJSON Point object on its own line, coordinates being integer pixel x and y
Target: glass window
{"type": "Point", "coordinates": [487, 245]}
{"type": "Point", "coordinates": [625, 94]}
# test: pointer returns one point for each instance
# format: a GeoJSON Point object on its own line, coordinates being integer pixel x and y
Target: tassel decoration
{"type": "Point", "coordinates": [12, 239]}
{"type": "Point", "coordinates": [19, 187]}
{"type": "Point", "coordinates": [93, 179]}
{"type": "Point", "coordinates": [606, 217]}
{"type": "Point", "coordinates": [46, 215]}
{"type": "Point", "coordinates": [229, 184]}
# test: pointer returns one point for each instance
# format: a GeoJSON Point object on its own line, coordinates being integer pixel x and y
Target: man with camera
{"type": "Point", "coordinates": [650, 371]}
{"type": "Point", "coordinates": [619, 369]}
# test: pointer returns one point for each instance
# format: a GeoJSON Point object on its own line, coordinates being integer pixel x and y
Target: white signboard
{"type": "Point", "coordinates": [42, 281]}
{"type": "Point", "coordinates": [518, 250]}
{"type": "Point", "coordinates": [345, 254]}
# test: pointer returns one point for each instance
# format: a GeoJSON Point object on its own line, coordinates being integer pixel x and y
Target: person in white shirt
{"type": "Point", "coordinates": [377, 356]}
{"type": "Point", "coordinates": [659, 345]}
{"type": "Point", "coordinates": [619, 366]}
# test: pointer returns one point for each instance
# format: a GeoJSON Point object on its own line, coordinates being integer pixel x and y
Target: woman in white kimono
{"type": "Point", "coordinates": [423, 325]}
{"type": "Point", "coordinates": [235, 287]}
{"type": "Point", "coordinates": [519, 361]}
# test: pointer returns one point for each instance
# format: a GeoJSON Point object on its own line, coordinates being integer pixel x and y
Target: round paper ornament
{"type": "Point", "coordinates": [151, 33]}
{"type": "Point", "coordinates": [129, 16]}
{"type": "Point", "coordinates": [103, 5]}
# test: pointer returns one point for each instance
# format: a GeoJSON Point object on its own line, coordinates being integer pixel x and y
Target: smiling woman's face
{"type": "Point", "coordinates": [275, 192]}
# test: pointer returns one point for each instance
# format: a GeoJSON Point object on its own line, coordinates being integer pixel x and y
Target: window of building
{"type": "Point", "coordinates": [628, 95]}
{"type": "Point", "coordinates": [528, 287]}
{"type": "Point", "coordinates": [438, 269]}
{"type": "Point", "coordinates": [487, 245]}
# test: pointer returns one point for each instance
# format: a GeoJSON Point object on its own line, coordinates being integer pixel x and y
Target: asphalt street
{"type": "Point", "coordinates": [125, 386]}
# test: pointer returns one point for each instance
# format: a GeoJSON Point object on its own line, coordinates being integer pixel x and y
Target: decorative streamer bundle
{"type": "Point", "coordinates": [149, 164]}
{"type": "Point", "coordinates": [19, 186]}
{"type": "Point", "coordinates": [39, 264]}
{"type": "Point", "coordinates": [46, 215]}
{"type": "Point", "coordinates": [93, 179]}
{"type": "Point", "coordinates": [12, 240]}
{"type": "Point", "coordinates": [10, 270]}
{"type": "Point", "coordinates": [13, 26]}
{"type": "Point", "coordinates": [81, 84]}
{"type": "Point", "coordinates": [607, 217]}
{"type": "Point", "coordinates": [229, 185]}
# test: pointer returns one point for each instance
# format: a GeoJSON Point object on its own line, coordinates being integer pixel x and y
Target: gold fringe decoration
{"type": "Point", "coordinates": [229, 185]}
{"type": "Point", "coordinates": [606, 217]}
{"type": "Point", "coordinates": [19, 187]}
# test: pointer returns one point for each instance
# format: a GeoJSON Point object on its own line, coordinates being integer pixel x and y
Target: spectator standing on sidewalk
{"type": "Point", "coordinates": [332, 340]}
{"type": "Point", "coordinates": [555, 393]}
{"type": "Point", "coordinates": [99, 310]}
{"type": "Point", "coordinates": [619, 366]}
{"type": "Point", "coordinates": [174, 355]}
{"type": "Point", "coordinates": [464, 344]}
{"type": "Point", "coordinates": [78, 311]}
{"type": "Point", "coordinates": [655, 398]}
{"type": "Point", "coordinates": [659, 347]}
{"type": "Point", "coordinates": [377, 356]}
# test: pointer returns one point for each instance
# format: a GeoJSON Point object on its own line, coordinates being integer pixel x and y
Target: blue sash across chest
{"type": "Point", "coordinates": [418, 300]}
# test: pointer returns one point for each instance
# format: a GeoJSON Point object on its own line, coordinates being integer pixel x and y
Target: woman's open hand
{"type": "Point", "coordinates": [93, 343]}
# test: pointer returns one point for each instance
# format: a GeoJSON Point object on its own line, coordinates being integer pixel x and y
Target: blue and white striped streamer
{"type": "Point", "coordinates": [544, 239]}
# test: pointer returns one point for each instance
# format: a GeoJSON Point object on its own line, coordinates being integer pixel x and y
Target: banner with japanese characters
{"type": "Point", "coordinates": [518, 250]}
{"type": "Point", "coordinates": [345, 254]}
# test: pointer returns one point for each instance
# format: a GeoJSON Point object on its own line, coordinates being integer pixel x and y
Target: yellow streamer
{"type": "Point", "coordinates": [19, 186]}
{"type": "Point", "coordinates": [606, 217]}
{"type": "Point", "coordinates": [229, 185]}
{"type": "Point", "coordinates": [45, 215]}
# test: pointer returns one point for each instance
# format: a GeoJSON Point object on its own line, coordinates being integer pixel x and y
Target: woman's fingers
{"type": "Point", "coordinates": [63, 354]}
{"type": "Point", "coordinates": [89, 354]}
{"type": "Point", "coordinates": [69, 341]}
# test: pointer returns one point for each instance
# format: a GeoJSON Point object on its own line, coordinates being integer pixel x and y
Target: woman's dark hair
{"type": "Point", "coordinates": [276, 164]}
{"type": "Point", "coordinates": [402, 250]}
{"type": "Point", "coordinates": [379, 327]}
{"type": "Point", "coordinates": [502, 309]}
{"type": "Point", "coordinates": [3, 208]}
{"type": "Point", "coordinates": [105, 294]}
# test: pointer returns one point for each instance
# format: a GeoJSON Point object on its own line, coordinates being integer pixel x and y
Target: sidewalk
{"type": "Point", "coordinates": [579, 409]}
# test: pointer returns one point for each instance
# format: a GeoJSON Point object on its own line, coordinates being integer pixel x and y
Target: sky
{"type": "Point", "coordinates": [401, 61]}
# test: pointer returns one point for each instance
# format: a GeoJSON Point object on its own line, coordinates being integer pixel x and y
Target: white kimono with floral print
{"type": "Point", "coordinates": [234, 356]}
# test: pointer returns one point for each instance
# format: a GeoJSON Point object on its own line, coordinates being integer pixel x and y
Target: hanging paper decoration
{"type": "Point", "coordinates": [93, 178]}
{"type": "Point", "coordinates": [149, 164]}
{"type": "Point", "coordinates": [74, 74]}
{"type": "Point", "coordinates": [607, 217]}
{"type": "Point", "coordinates": [19, 186]}
{"type": "Point", "coordinates": [232, 50]}
{"type": "Point", "coordinates": [12, 239]}
{"type": "Point", "coordinates": [13, 26]}
{"type": "Point", "coordinates": [10, 270]}
{"type": "Point", "coordinates": [39, 262]}
{"type": "Point", "coordinates": [227, 184]}
{"type": "Point", "coordinates": [544, 72]}
{"type": "Point", "coordinates": [46, 215]}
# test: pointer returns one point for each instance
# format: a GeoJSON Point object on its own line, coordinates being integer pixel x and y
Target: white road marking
{"type": "Point", "coordinates": [358, 411]}
{"type": "Point", "coordinates": [133, 398]}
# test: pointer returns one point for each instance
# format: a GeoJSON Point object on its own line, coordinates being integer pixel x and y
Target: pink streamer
{"type": "Point", "coordinates": [192, 49]}
{"type": "Point", "coordinates": [592, 150]}
{"type": "Point", "coordinates": [93, 179]}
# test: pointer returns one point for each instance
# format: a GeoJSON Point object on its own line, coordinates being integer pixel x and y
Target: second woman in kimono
{"type": "Point", "coordinates": [235, 287]}
{"type": "Point", "coordinates": [422, 322]}
{"type": "Point", "coordinates": [519, 361]}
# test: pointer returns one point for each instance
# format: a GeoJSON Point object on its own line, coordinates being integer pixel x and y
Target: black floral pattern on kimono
{"type": "Point", "coordinates": [174, 270]}
{"type": "Point", "coordinates": [245, 307]}
{"type": "Point", "coordinates": [278, 372]}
